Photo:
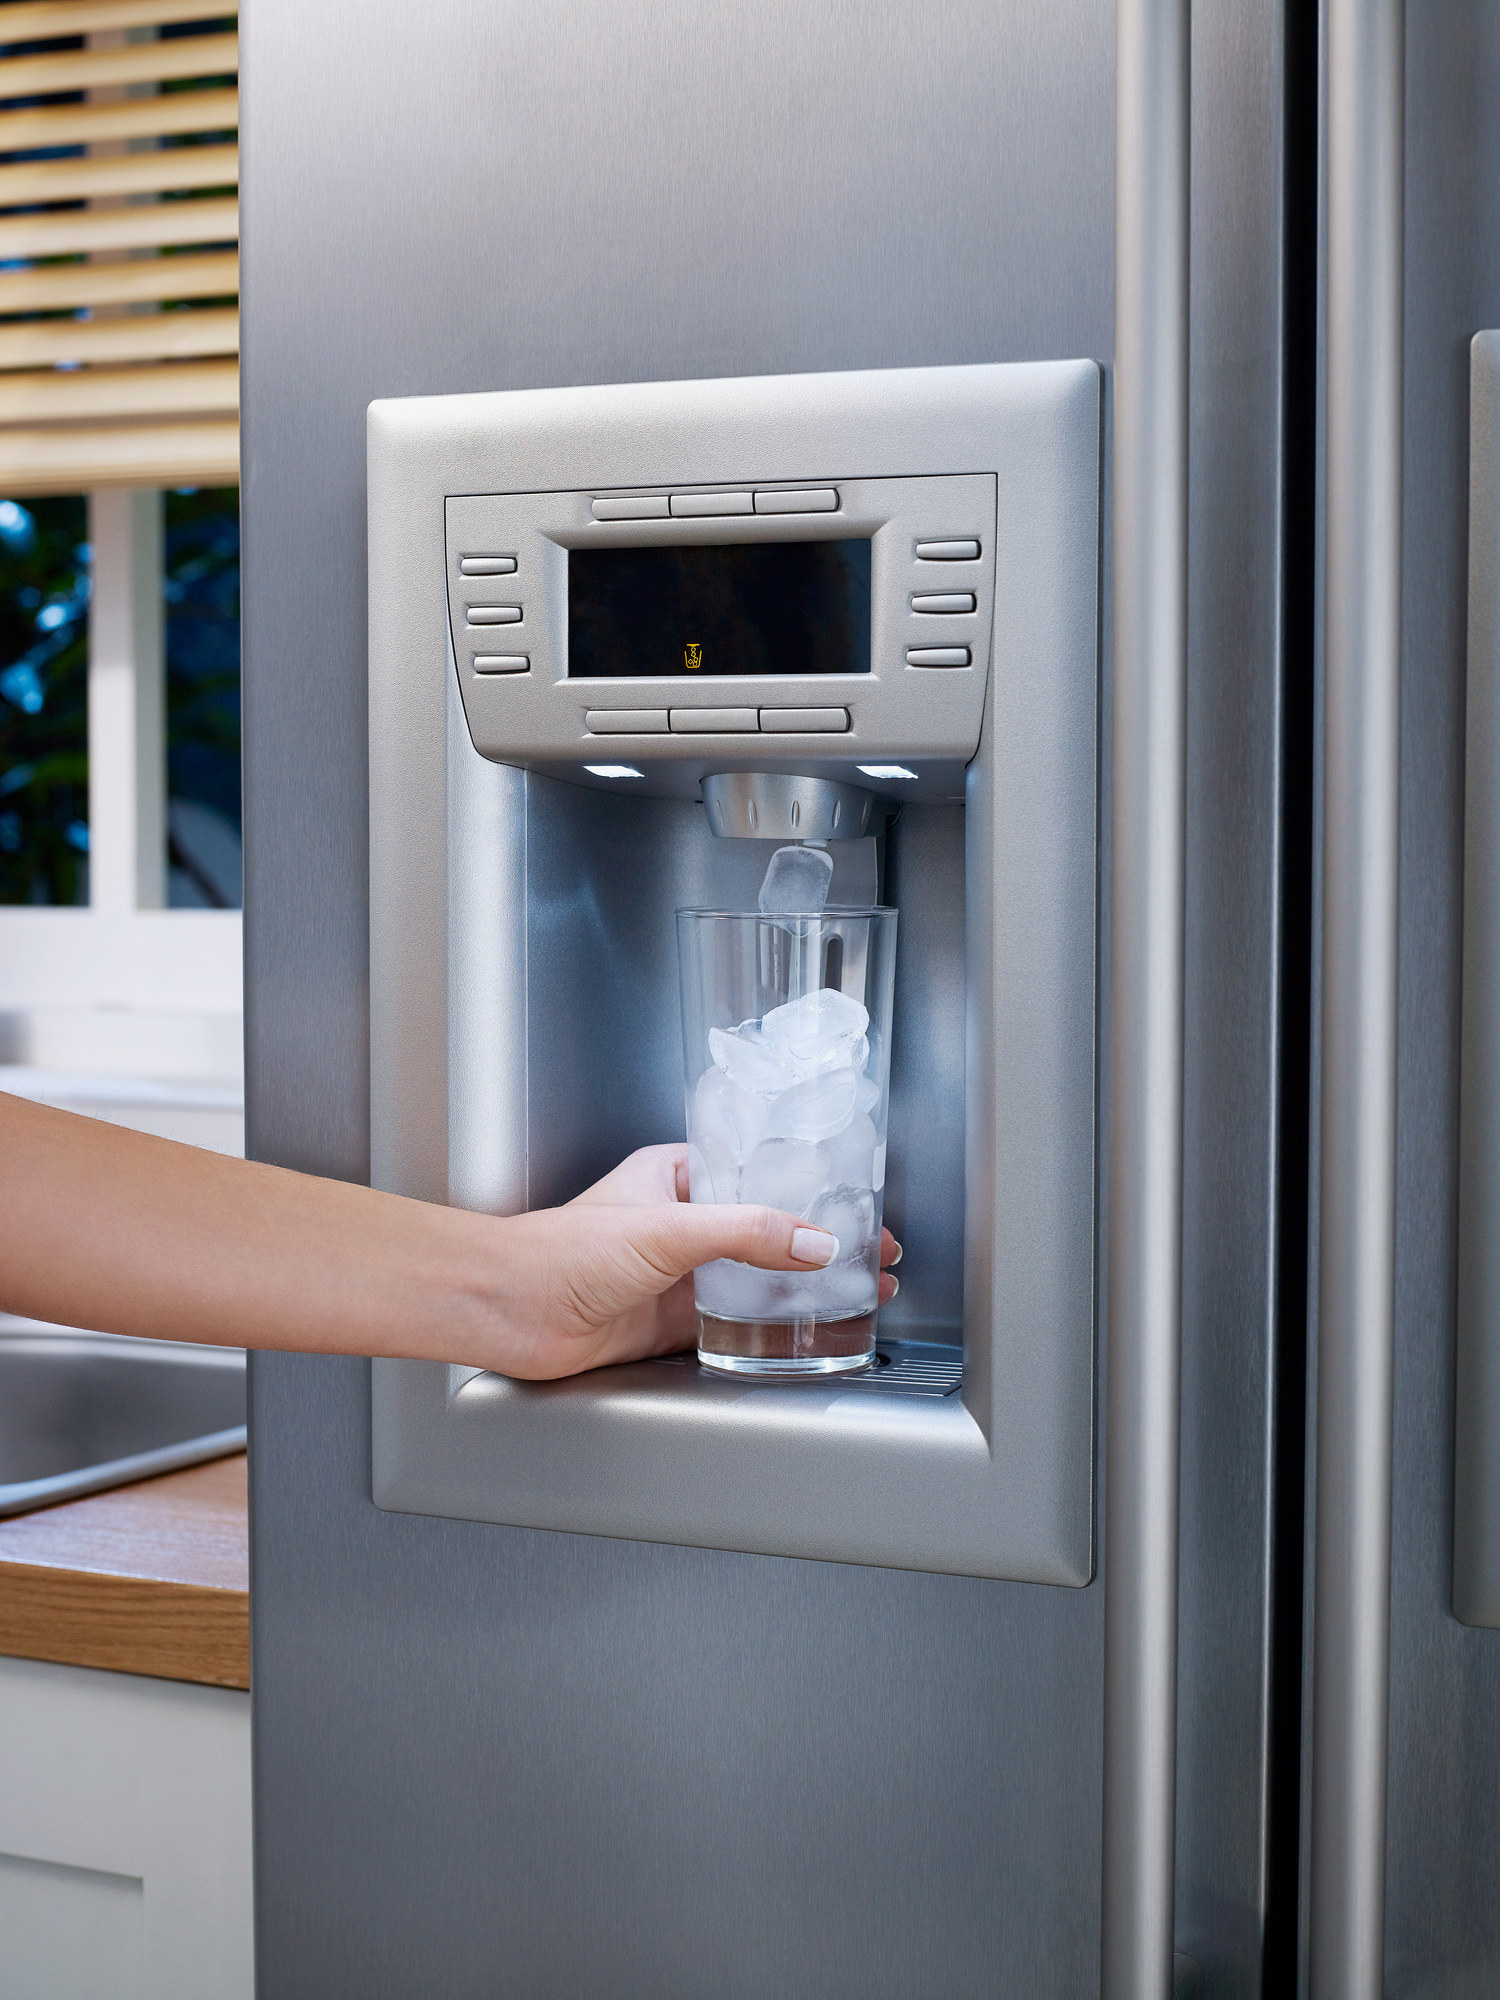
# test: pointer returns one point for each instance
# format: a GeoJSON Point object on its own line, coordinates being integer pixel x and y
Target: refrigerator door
{"type": "Point", "coordinates": [1406, 1774]}
{"type": "Point", "coordinates": [506, 1759]}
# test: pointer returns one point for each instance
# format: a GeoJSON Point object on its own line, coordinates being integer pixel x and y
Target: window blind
{"type": "Point", "coordinates": [119, 265]}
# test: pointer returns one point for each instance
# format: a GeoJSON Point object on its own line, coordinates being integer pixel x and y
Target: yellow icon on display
{"type": "Point", "coordinates": [692, 655]}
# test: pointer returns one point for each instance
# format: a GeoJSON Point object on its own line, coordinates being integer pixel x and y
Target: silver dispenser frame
{"type": "Point", "coordinates": [996, 1481]}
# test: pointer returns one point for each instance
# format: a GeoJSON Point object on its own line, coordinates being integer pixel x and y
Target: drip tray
{"type": "Point", "coordinates": [902, 1368]}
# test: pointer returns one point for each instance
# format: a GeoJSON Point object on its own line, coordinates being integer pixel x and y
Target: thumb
{"type": "Point", "coordinates": [678, 1237]}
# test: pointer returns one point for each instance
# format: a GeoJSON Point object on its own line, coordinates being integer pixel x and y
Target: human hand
{"type": "Point", "coordinates": [607, 1277]}
{"type": "Point", "coordinates": [181, 1244]}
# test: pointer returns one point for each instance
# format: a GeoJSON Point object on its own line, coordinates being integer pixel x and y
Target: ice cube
{"type": "Point", "coordinates": [815, 1109]}
{"type": "Point", "coordinates": [866, 1095]}
{"type": "Point", "coordinates": [849, 1214]}
{"type": "Point", "coordinates": [838, 1052]}
{"type": "Point", "coordinates": [816, 1026]}
{"type": "Point", "coordinates": [741, 1292]}
{"type": "Point", "coordinates": [806, 1298]}
{"type": "Point", "coordinates": [878, 1181]}
{"type": "Point", "coordinates": [851, 1150]}
{"type": "Point", "coordinates": [724, 1113]}
{"type": "Point", "coordinates": [837, 1293]}
{"type": "Point", "coordinates": [735, 1291]}
{"type": "Point", "coordinates": [786, 1173]}
{"type": "Point", "coordinates": [713, 1171]}
{"type": "Point", "coordinates": [745, 1057]}
{"type": "Point", "coordinates": [846, 1289]}
{"type": "Point", "coordinates": [796, 882]}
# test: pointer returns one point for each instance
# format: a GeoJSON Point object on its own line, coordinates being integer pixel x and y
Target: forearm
{"type": "Point", "coordinates": [110, 1229]}
{"type": "Point", "coordinates": [113, 1229]}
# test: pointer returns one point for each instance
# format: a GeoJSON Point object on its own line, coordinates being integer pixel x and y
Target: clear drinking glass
{"type": "Point", "coordinates": [786, 1037]}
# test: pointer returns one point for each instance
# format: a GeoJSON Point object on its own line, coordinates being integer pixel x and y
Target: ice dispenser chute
{"type": "Point", "coordinates": [788, 806]}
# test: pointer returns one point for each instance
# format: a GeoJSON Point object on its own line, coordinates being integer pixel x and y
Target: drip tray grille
{"type": "Point", "coordinates": [902, 1368]}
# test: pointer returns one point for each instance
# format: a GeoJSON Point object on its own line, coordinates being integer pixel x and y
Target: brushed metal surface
{"type": "Point", "coordinates": [552, 1764]}
{"type": "Point", "coordinates": [533, 441]}
{"type": "Point", "coordinates": [495, 1757]}
{"type": "Point", "coordinates": [1442, 1916]}
{"type": "Point", "coordinates": [1144, 1298]}
{"type": "Point", "coordinates": [446, 1707]}
{"type": "Point", "coordinates": [1476, 1444]}
{"type": "Point", "coordinates": [772, 805]}
{"type": "Point", "coordinates": [1358, 960]}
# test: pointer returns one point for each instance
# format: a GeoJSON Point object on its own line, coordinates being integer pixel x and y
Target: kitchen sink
{"type": "Point", "coordinates": [82, 1411]}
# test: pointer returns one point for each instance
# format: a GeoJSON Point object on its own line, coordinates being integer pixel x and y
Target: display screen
{"type": "Point", "coordinates": [735, 608]}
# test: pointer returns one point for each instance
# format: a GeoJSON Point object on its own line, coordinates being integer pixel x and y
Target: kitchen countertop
{"type": "Point", "coordinates": [146, 1579]}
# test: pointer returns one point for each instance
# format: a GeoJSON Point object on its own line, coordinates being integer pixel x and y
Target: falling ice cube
{"type": "Point", "coordinates": [785, 1173]}
{"type": "Point", "coordinates": [817, 1026]}
{"type": "Point", "coordinates": [796, 882]}
{"type": "Point", "coordinates": [746, 1058]}
{"type": "Point", "coordinates": [815, 1109]}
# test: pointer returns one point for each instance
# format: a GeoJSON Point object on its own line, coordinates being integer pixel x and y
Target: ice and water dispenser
{"type": "Point", "coordinates": [742, 736]}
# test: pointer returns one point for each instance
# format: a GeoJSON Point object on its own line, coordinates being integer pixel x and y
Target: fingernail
{"type": "Point", "coordinates": [895, 1286]}
{"type": "Point", "coordinates": [896, 1259]}
{"type": "Point", "coordinates": [814, 1246]}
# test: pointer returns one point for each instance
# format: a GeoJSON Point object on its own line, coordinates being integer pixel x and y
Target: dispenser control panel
{"type": "Point", "coordinates": [695, 626]}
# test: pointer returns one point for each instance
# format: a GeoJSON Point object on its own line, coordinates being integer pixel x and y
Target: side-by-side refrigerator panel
{"type": "Point", "coordinates": [1442, 1834]}
{"type": "Point", "coordinates": [671, 1686]}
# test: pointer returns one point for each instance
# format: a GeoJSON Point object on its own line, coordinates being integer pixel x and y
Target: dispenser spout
{"type": "Point", "coordinates": [775, 805]}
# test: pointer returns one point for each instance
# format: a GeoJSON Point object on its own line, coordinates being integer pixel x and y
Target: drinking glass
{"type": "Point", "coordinates": [786, 1036]}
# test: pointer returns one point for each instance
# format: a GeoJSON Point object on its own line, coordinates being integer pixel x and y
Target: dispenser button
{"type": "Point", "coordinates": [626, 721]}
{"type": "Point", "coordinates": [486, 565]}
{"type": "Point", "coordinates": [943, 601]}
{"type": "Point", "coordinates": [636, 507]}
{"type": "Point", "coordinates": [688, 504]}
{"type": "Point", "coordinates": [954, 551]}
{"type": "Point", "coordinates": [811, 500]}
{"type": "Point", "coordinates": [937, 656]}
{"type": "Point", "coordinates": [696, 721]}
{"type": "Point", "coordinates": [804, 718]}
{"type": "Point", "coordinates": [493, 614]}
{"type": "Point", "coordinates": [502, 663]}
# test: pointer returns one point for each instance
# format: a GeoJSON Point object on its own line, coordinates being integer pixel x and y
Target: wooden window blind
{"type": "Point", "coordinates": [119, 265]}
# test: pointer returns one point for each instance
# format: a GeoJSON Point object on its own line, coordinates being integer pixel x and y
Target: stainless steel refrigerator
{"type": "Point", "coordinates": [1228, 1720]}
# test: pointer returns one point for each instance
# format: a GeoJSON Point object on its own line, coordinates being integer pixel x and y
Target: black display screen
{"type": "Point", "coordinates": [735, 608]}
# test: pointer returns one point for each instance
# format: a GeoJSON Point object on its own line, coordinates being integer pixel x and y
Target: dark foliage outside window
{"type": "Point", "coordinates": [202, 587]}
{"type": "Point", "coordinates": [44, 586]}
{"type": "Point", "coordinates": [44, 776]}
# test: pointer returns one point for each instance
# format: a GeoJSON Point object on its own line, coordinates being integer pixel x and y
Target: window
{"type": "Point", "coordinates": [119, 275]}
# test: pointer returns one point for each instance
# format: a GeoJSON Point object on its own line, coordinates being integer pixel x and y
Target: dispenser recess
{"type": "Point", "coordinates": [536, 821]}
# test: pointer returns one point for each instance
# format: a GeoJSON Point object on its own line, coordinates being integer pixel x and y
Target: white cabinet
{"type": "Point", "coordinates": [124, 1837]}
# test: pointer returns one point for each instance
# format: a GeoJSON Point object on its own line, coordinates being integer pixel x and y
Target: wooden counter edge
{"type": "Point", "coordinates": [129, 1625]}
